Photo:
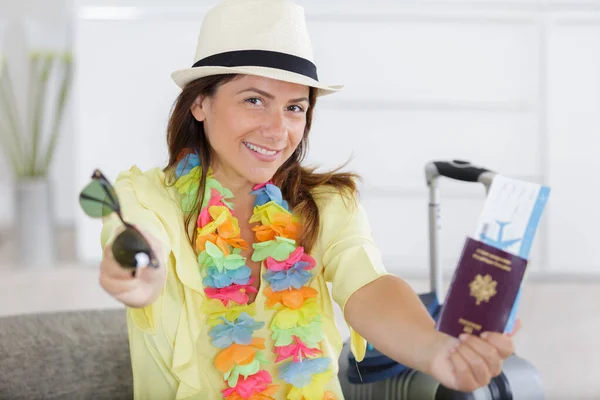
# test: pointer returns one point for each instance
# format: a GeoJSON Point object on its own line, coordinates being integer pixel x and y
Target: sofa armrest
{"type": "Point", "coordinates": [72, 354]}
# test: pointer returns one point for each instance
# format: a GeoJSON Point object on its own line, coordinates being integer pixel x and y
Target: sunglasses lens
{"type": "Point", "coordinates": [94, 201]}
{"type": "Point", "coordinates": [131, 250]}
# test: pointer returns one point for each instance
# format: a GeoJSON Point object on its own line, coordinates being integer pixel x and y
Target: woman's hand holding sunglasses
{"type": "Point", "coordinates": [131, 270]}
{"type": "Point", "coordinates": [134, 290]}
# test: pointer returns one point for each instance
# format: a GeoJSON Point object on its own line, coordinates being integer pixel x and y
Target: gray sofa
{"type": "Point", "coordinates": [65, 355]}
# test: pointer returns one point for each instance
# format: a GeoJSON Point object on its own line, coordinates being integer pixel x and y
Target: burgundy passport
{"type": "Point", "coordinates": [482, 291]}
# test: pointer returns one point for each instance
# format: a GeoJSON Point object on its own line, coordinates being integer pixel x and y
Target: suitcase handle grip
{"type": "Point", "coordinates": [456, 169]}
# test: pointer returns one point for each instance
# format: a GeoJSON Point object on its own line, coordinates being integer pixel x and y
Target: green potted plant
{"type": "Point", "coordinates": [29, 134]}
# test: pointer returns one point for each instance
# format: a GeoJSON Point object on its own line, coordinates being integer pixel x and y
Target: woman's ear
{"type": "Point", "coordinates": [198, 108]}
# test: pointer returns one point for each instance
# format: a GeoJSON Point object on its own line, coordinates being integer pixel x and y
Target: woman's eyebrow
{"type": "Point", "coordinates": [261, 92]}
{"type": "Point", "coordinates": [299, 100]}
{"type": "Point", "coordinates": [270, 96]}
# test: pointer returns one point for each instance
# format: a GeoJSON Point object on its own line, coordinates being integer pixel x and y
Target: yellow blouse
{"type": "Point", "coordinates": [171, 351]}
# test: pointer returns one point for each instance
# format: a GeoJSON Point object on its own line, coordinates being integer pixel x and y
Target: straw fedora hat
{"type": "Point", "coordinates": [256, 37]}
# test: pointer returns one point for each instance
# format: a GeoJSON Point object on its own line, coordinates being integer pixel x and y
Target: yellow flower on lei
{"type": "Point", "coordinates": [315, 390]}
{"type": "Point", "coordinates": [267, 212]}
{"type": "Point", "coordinates": [288, 318]}
{"type": "Point", "coordinates": [215, 309]}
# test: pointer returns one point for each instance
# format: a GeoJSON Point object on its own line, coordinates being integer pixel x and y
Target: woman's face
{"type": "Point", "coordinates": [253, 124]}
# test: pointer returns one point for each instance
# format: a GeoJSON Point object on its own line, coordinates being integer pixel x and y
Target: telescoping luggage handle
{"type": "Point", "coordinates": [458, 170]}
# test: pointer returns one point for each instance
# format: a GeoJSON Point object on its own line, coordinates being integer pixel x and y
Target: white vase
{"type": "Point", "coordinates": [35, 227]}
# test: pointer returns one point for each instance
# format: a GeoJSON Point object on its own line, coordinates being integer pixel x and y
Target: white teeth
{"type": "Point", "coordinates": [260, 149]}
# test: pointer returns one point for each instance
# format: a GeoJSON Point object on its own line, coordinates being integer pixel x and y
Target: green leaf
{"type": "Point", "coordinates": [282, 337]}
{"type": "Point", "coordinates": [219, 263]}
{"type": "Point", "coordinates": [285, 240]}
{"type": "Point", "coordinates": [228, 204]}
{"type": "Point", "coordinates": [39, 111]}
{"type": "Point", "coordinates": [205, 260]}
{"type": "Point", "coordinates": [213, 250]}
{"type": "Point", "coordinates": [310, 334]}
{"type": "Point", "coordinates": [14, 144]}
{"type": "Point", "coordinates": [279, 249]}
{"type": "Point", "coordinates": [249, 369]}
{"type": "Point", "coordinates": [227, 193]}
{"type": "Point", "coordinates": [259, 356]}
{"type": "Point", "coordinates": [234, 261]}
{"type": "Point", "coordinates": [243, 370]}
{"type": "Point", "coordinates": [215, 184]}
{"type": "Point", "coordinates": [58, 115]}
{"type": "Point", "coordinates": [212, 183]}
{"type": "Point", "coordinates": [187, 203]}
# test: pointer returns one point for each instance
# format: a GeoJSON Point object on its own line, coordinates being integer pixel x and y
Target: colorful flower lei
{"type": "Point", "coordinates": [295, 328]}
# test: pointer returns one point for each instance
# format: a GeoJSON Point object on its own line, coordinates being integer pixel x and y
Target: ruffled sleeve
{"type": "Point", "coordinates": [154, 207]}
{"type": "Point", "coordinates": [350, 257]}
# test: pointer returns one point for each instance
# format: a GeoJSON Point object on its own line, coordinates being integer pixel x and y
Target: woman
{"type": "Point", "coordinates": [247, 238]}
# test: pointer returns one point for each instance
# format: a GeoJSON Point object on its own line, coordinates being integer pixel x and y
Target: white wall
{"type": "Point", "coordinates": [512, 85]}
{"type": "Point", "coordinates": [16, 50]}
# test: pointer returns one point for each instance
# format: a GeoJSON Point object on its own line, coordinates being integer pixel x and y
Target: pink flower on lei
{"type": "Point", "coordinates": [249, 386]}
{"type": "Point", "coordinates": [236, 293]}
{"type": "Point", "coordinates": [295, 256]}
{"type": "Point", "coordinates": [261, 185]}
{"type": "Point", "coordinates": [297, 349]}
{"type": "Point", "coordinates": [216, 199]}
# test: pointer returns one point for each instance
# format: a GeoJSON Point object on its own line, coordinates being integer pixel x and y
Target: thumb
{"type": "Point", "coordinates": [149, 274]}
{"type": "Point", "coordinates": [516, 328]}
{"type": "Point", "coordinates": [157, 247]}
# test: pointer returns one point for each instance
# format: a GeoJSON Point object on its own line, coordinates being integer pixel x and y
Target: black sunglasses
{"type": "Point", "coordinates": [131, 250]}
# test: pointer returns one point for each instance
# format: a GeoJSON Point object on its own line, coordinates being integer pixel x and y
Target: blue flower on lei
{"type": "Point", "coordinates": [300, 373]}
{"type": "Point", "coordinates": [267, 193]}
{"type": "Point", "coordinates": [226, 277]}
{"type": "Point", "coordinates": [186, 164]}
{"type": "Point", "coordinates": [239, 331]}
{"type": "Point", "coordinates": [295, 277]}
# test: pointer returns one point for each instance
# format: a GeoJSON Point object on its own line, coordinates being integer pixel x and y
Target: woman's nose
{"type": "Point", "coordinates": [275, 129]}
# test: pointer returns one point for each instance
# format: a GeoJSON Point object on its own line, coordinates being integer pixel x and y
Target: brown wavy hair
{"type": "Point", "coordinates": [297, 182]}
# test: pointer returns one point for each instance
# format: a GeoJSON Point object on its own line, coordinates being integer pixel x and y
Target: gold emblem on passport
{"type": "Point", "coordinates": [483, 288]}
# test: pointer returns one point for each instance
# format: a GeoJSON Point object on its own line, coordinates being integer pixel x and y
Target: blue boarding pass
{"type": "Point", "coordinates": [509, 221]}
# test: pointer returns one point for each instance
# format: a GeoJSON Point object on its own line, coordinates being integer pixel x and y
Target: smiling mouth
{"type": "Point", "coordinates": [261, 150]}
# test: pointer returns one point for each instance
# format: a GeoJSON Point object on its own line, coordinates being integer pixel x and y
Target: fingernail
{"type": "Point", "coordinates": [484, 335]}
{"type": "Point", "coordinates": [463, 337]}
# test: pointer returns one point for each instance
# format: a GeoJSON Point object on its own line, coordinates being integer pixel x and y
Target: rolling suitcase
{"type": "Point", "coordinates": [377, 377]}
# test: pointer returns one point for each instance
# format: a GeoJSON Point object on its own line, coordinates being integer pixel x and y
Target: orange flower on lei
{"type": "Point", "coordinates": [224, 230]}
{"type": "Point", "coordinates": [282, 224]}
{"type": "Point", "coordinates": [293, 298]}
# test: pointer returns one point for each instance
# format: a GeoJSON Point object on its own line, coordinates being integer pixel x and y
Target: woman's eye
{"type": "Point", "coordinates": [254, 101]}
{"type": "Point", "coordinates": [296, 108]}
